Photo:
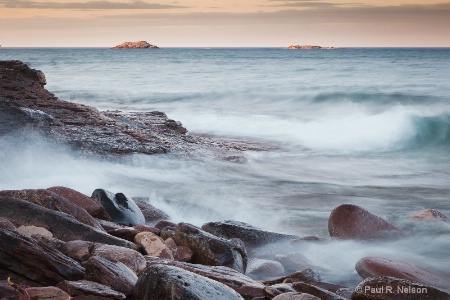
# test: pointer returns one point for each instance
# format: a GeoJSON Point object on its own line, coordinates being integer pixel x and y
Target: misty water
{"type": "Point", "coordinates": [364, 126]}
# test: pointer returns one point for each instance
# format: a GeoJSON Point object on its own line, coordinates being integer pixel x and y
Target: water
{"type": "Point", "coordinates": [364, 126]}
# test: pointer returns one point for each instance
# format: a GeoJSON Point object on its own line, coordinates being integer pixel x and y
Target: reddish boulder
{"type": "Point", "coordinates": [431, 214]}
{"type": "Point", "coordinates": [128, 233]}
{"type": "Point", "coordinates": [312, 289]}
{"type": "Point", "coordinates": [349, 221]}
{"type": "Point", "coordinates": [390, 288]}
{"type": "Point", "coordinates": [164, 223]}
{"type": "Point", "coordinates": [306, 275]}
{"type": "Point", "coordinates": [378, 267]}
{"type": "Point", "coordinates": [44, 293]}
{"type": "Point", "coordinates": [153, 245]}
{"type": "Point", "coordinates": [89, 288]}
{"type": "Point", "coordinates": [83, 201]}
{"type": "Point", "coordinates": [183, 254]}
{"type": "Point", "coordinates": [295, 296]}
{"type": "Point", "coordinates": [151, 213]}
{"type": "Point", "coordinates": [261, 269]}
{"type": "Point", "coordinates": [162, 282]}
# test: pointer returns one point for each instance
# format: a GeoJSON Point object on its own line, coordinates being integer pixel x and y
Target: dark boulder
{"type": "Point", "coordinates": [250, 235]}
{"type": "Point", "coordinates": [7, 224]}
{"type": "Point", "coordinates": [119, 207]}
{"type": "Point", "coordinates": [89, 288]}
{"type": "Point", "coordinates": [162, 282]}
{"type": "Point", "coordinates": [349, 221]}
{"type": "Point", "coordinates": [36, 261]}
{"type": "Point", "coordinates": [81, 200]}
{"type": "Point", "coordinates": [390, 288]}
{"type": "Point", "coordinates": [113, 274]}
{"type": "Point", "coordinates": [63, 226]}
{"type": "Point", "coordinates": [211, 250]}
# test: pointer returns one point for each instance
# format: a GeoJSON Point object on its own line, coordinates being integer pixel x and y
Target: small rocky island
{"type": "Point", "coordinates": [135, 45]}
{"type": "Point", "coordinates": [308, 47]}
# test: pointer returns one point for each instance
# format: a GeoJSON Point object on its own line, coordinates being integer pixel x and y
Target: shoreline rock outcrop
{"type": "Point", "coordinates": [136, 45]}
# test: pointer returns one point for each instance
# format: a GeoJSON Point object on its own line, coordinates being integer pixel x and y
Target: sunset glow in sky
{"type": "Point", "coordinates": [225, 23]}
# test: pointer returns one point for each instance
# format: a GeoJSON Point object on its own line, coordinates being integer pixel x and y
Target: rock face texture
{"type": "Point", "coordinates": [136, 45]}
{"type": "Point", "coordinates": [26, 104]}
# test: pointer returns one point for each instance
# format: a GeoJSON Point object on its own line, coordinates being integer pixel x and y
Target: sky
{"type": "Point", "coordinates": [225, 23]}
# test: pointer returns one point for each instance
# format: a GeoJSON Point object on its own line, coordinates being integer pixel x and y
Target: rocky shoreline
{"type": "Point", "coordinates": [57, 243]}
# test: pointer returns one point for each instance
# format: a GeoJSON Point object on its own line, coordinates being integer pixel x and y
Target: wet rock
{"type": "Point", "coordinates": [127, 233]}
{"type": "Point", "coordinates": [82, 251]}
{"type": "Point", "coordinates": [314, 290]}
{"type": "Point", "coordinates": [120, 208]}
{"type": "Point", "coordinates": [278, 289]}
{"type": "Point", "coordinates": [306, 275]}
{"type": "Point", "coordinates": [135, 45]}
{"type": "Point", "coordinates": [250, 235]}
{"type": "Point", "coordinates": [81, 200]}
{"type": "Point", "coordinates": [261, 269]}
{"type": "Point", "coordinates": [349, 221]}
{"type": "Point", "coordinates": [113, 274]}
{"type": "Point", "coordinates": [183, 253]}
{"type": "Point", "coordinates": [296, 296]}
{"type": "Point", "coordinates": [7, 224]}
{"type": "Point", "coordinates": [211, 250]}
{"type": "Point", "coordinates": [147, 228]}
{"type": "Point", "coordinates": [89, 288]}
{"type": "Point", "coordinates": [164, 223]}
{"type": "Point", "coordinates": [167, 232]}
{"type": "Point", "coordinates": [36, 261]}
{"type": "Point", "coordinates": [53, 201]}
{"type": "Point", "coordinates": [151, 213]}
{"type": "Point", "coordinates": [378, 267]}
{"type": "Point", "coordinates": [171, 243]}
{"type": "Point", "coordinates": [44, 293]}
{"type": "Point", "coordinates": [242, 284]}
{"type": "Point", "coordinates": [431, 214]}
{"type": "Point", "coordinates": [153, 245]}
{"type": "Point", "coordinates": [162, 282]}
{"type": "Point", "coordinates": [63, 226]}
{"type": "Point", "coordinates": [109, 226]}
{"type": "Point", "coordinates": [390, 288]}
{"type": "Point", "coordinates": [34, 230]}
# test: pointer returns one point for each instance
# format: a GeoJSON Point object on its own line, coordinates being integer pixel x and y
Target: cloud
{"type": "Point", "coordinates": [100, 5]}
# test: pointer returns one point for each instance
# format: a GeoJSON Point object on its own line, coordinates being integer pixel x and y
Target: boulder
{"type": "Point", "coordinates": [151, 213]}
{"type": "Point", "coordinates": [53, 201]}
{"type": "Point", "coordinates": [81, 200]}
{"type": "Point", "coordinates": [34, 230]}
{"type": "Point", "coordinates": [119, 207]}
{"type": "Point", "coordinates": [183, 254]}
{"type": "Point", "coordinates": [63, 226]}
{"type": "Point", "coordinates": [82, 251]}
{"type": "Point", "coordinates": [379, 266]}
{"type": "Point", "coordinates": [128, 233]}
{"type": "Point", "coordinates": [7, 224]}
{"type": "Point", "coordinates": [162, 282]}
{"type": "Point", "coordinates": [349, 221]}
{"type": "Point", "coordinates": [277, 289]}
{"type": "Point", "coordinates": [171, 243]}
{"type": "Point", "coordinates": [164, 223]}
{"type": "Point", "coordinates": [312, 289]}
{"type": "Point", "coordinates": [262, 269]}
{"type": "Point", "coordinates": [250, 235]}
{"type": "Point", "coordinates": [306, 275]}
{"type": "Point", "coordinates": [113, 274]}
{"type": "Point", "coordinates": [390, 288]}
{"type": "Point", "coordinates": [135, 45]}
{"type": "Point", "coordinates": [89, 288]}
{"type": "Point", "coordinates": [153, 245]}
{"type": "Point", "coordinates": [211, 250]}
{"type": "Point", "coordinates": [296, 296]}
{"type": "Point", "coordinates": [242, 284]}
{"type": "Point", "coordinates": [44, 293]}
{"type": "Point", "coordinates": [430, 214]}
{"type": "Point", "coordinates": [36, 261]}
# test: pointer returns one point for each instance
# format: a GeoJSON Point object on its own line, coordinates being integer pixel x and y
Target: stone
{"type": "Point", "coordinates": [171, 243]}
{"type": "Point", "coordinates": [78, 250]}
{"type": "Point", "coordinates": [119, 207]}
{"type": "Point", "coordinates": [295, 296]}
{"type": "Point", "coordinates": [211, 250]}
{"type": "Point", "coordinates": [127, 233]}
{"type": "Point", "coordinates": [312, 289]}
{"type": "Point", "coordinates": [262, 269]}
{"type": "Point", "coordinates": [164, 223]}
{"type": "Point", "coordinates": [36, 261]}
{"type": "Point", "coordinates": [135, 45]}
{"type": "Point", "coordinates": [183, 254]}
{"type": "Point", "coordinates": [250, 235]}
{"type": "Point", "coordinates": [153, 245]}
{"type": "Point", "coordinates": [278, 289]}
{"type": "Point", "coordinates": [109, 226]}
{"type": "Point", "coordinates": [379, 267]}
{"type": "Point", "coordinates": [83, 201]}
{"type": "Point", "coordinates": [53, 201]}
{"type": "Point", "coordinates": [113, 274]}
{"type": "Point", "coordinates": [44, 293]}
{"type": "Point", "coordinates": [89, 288]}
{"type": "Point", "coordinates": [306, 275]}
{"type": "Point", "coordinates": [349, 221]}
{"type": "Point", "coordinates": [163, 282]}
{"type": "Point", "coordinates": [151, 213]}
{"type": "Point", "coordinates": [430, 214]}
{"type": "Point", "coordinates": [390, 288]}
{"type": "Point", "coordinates": [34, 230]}
{"type": "Point", "coordinates": [7, 224]}
{"type": "Point", "coordinates": [242, 284]}
{"type": "Point", "coordinates": [63, 226]}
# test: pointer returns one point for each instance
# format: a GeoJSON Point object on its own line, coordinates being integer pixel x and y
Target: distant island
{"type": "Point", "coordinates": [135, 45]}
{"type": "Point", "coordinates": [308, 47]}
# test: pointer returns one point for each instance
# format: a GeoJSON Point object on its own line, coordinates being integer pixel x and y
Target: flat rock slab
{"type": "Point", "coordinates": [89, 288]}
{"type": "Point", "coordinates": [163, 282]}
{"type": "Point", "coordinates": [63, 226]}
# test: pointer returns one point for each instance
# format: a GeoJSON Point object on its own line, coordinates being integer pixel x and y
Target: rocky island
{"type": "Point", "coordinates": [136, 45]}
{"type": "Point", "coordinates": [308, 47]}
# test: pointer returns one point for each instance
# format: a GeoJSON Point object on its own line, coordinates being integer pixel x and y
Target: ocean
{"type": "Point", "coordinates": [366, 126]}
